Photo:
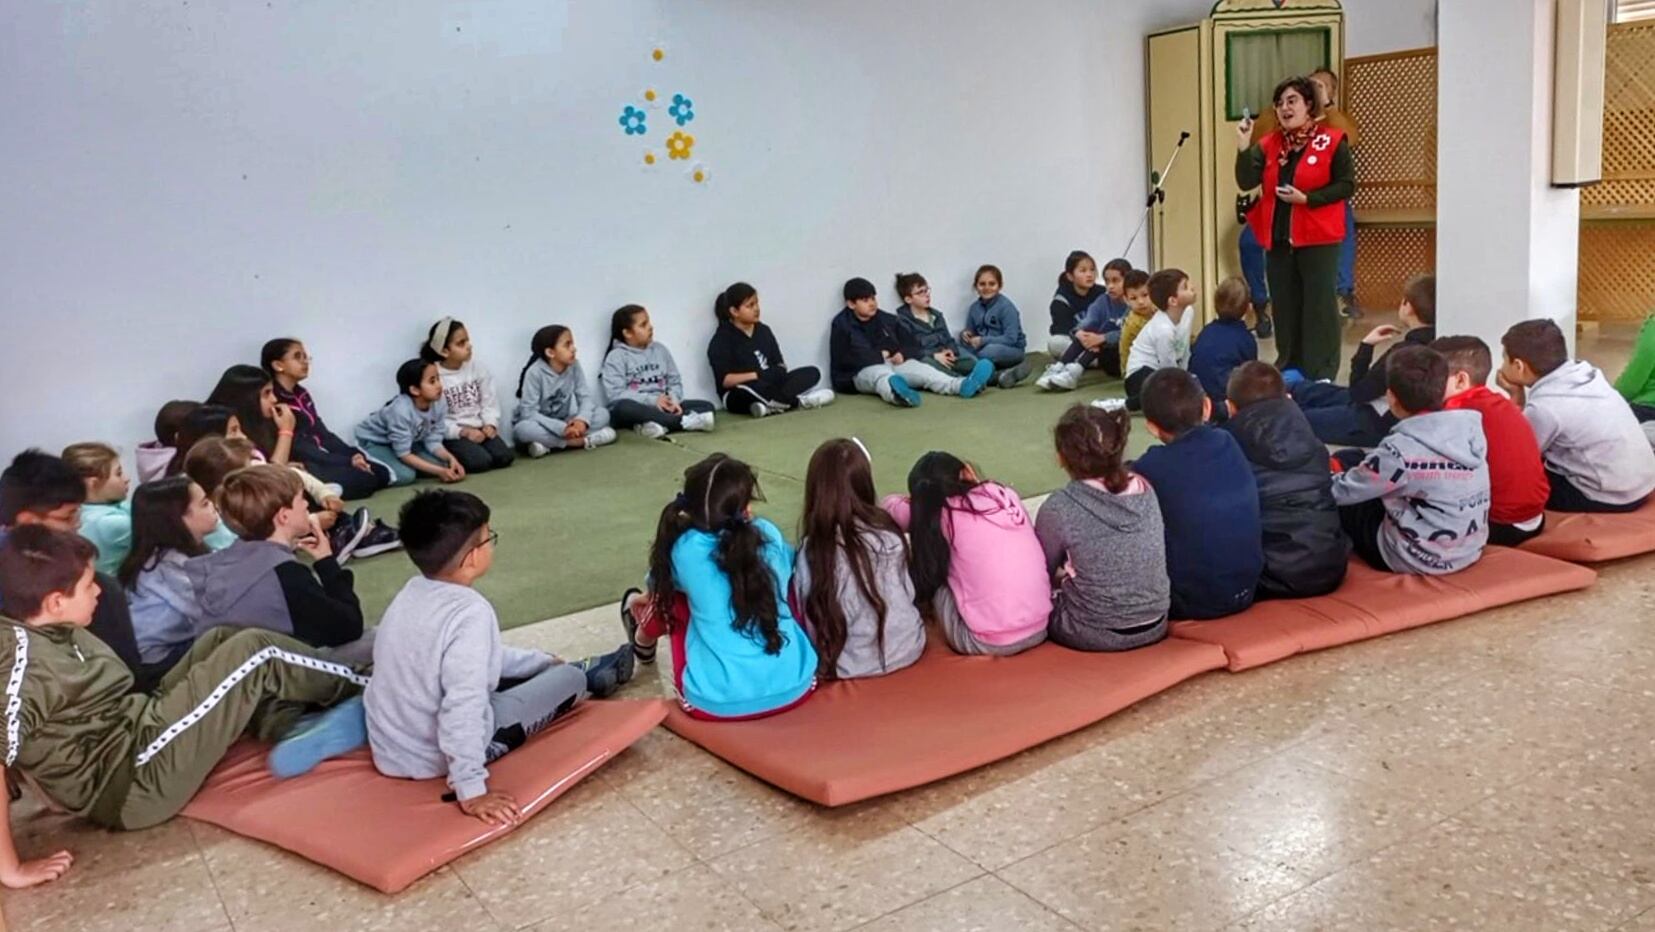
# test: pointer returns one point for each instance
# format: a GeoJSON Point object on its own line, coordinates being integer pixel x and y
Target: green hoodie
{"type": "Point", "coordinates": [1637, 381]}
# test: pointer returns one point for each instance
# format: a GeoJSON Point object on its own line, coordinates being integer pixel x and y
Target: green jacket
{"type": "Point", "coordinates": [69, 718]}
{"type": "Point", "coordinates": [1637, 381]}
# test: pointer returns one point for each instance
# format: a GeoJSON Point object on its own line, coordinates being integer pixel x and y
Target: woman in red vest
{"type": "Point", "coordinates": [1308, 173]}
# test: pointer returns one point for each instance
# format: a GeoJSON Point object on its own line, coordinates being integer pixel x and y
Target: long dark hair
{"type": "Point", "coordinates": [1092, 442]}
{"type": "Point", "coordinates": [544, 339]}
{"type": "Point", "coordinates": [205, 421]}
{"type": "Point", "coordinates": [238, 389]}
{"type": "Point", "coordinates": [1070, 264]}
{"type": "Point", "coordinates": [731, 298]}
{"type": "Point", "coordinates": [426, 352]}
{"type": "Point", "coordinates": [716, 494]}
{"type": "Point", "coordinates": [620, 322]}
{"type": "Point", "coordinates": [841, 509]}
{"type": "Point", "coordinates": [158, 526]}
{"type": "Point", "coordinates": [931, 483]}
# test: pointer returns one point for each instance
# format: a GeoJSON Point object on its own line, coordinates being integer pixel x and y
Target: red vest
{"type": "Point", "coordinates": [1310, 226]}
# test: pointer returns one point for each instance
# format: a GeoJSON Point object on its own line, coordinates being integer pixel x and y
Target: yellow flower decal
{"type": "Point", "coordinates": [679, 145]}
{"type": "Point", "coordinates": [699, 173]}
{"type": "Point", "coordinates": [650, 158]}
{"type": "Point", "coordinates": [658, 53]}
{"type": "Point", "coordinates": [650, 98]}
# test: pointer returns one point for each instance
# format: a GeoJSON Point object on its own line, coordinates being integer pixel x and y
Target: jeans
{"type": "Point", "coordinates": [1347, 253]}
{"type": "Point", "coordinates": [548, 431]}
{"type": "Point", "coordinates": [1335, 420]}
{"type": "Point", "coordinates": [1003, 356]}
{"type": "Point", "coordinates": [1252, 268]}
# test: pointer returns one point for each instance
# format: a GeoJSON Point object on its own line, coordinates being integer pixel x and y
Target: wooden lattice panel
{"type": "Point", "coordinates": [1617, 270]}
{"type": "Point", "coordinates": [1387, 256]}
{"type": "Point", "coordinates": [1393, 99]}
{"type": "Point", "coordinates": [1628, 121]}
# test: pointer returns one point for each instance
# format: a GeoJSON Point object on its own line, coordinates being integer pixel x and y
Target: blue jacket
{"type": "Point", "coordinates": [1209, 507]}
{"type": "Point", "coordinates": [996, 322]}
{"type": "Point", "coordinates": [727, 673]}
{"type": "Point", "coordinates": [855, 344]}
{"type": "Point", "coordinates": [1222, 345]}
{"type": "Point", "coordinates": [1105, 315]}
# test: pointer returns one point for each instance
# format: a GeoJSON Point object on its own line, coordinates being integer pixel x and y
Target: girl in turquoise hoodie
{"type": "Point", "coordinates": [718, 581]}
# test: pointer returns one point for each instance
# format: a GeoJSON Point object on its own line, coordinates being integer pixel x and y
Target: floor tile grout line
{"type": "Point", "coordinates": [207, 864]}
{"type": "Point", "coordinates": [925, 899]}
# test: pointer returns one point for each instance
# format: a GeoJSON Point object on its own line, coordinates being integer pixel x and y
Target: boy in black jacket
{"type": "Point", "coordinates": [870, 354]}
{"type": "Point", "coordinates": [1359, 416]}
{"type": "Point", "coordinates": [747, 361]}
{"type": "Point", "coordinates": [1305, 548]}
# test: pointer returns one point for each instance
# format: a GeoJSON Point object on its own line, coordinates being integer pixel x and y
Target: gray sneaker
{"type": "Point", "coordinates": [603, 436]}
{"type": "Point", "coordinates": [1015, 374]}
{"type": "Point", "coordinates": [650, 430]}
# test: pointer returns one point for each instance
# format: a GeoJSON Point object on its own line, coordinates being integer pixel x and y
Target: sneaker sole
{"type": "Point", "coordinates": [376, 549]}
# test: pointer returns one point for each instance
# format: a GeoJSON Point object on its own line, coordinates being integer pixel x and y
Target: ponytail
{"type": "Point", "coordinates": [1092, 442]}
{"type": "Point", "coordinates": [933, 481]}
{"type": "Point", "coordinates": [544, 339]}
{"type": "Point", "coordinates": [619, 323]}
{"type": "Point", "coordinates": [731, 298]}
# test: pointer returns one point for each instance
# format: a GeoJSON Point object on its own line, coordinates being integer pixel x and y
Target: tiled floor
{"type": "Point", "coordinates": [1493, 772]}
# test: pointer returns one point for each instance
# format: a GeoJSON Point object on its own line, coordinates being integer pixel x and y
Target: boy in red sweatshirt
{"type": "Point", "coordinates": [1517, 477]}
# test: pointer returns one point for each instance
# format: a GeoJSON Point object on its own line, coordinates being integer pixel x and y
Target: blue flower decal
{"type": "Point", "coordinates": [682, 109]}
{"type": "Point", "coordinates": [632, 120]}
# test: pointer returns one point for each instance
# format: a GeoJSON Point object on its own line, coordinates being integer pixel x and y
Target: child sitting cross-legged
{"type": "Point", "coordinates": [850, 581]}
{"type": "Point", "coordinates": [447, 697]}
{"type": "Point", "coordinates": [994, 328]}
{"type": "Point", "coordinates": [106, 516]}
{"type": "Point", "coordinates": [1224, 344]}
{"type": "Point", "coordinates": [1164, 342]}
{"type": "Point", "coordinates": [977, 564]}
{"type": "Point", "coordinates": [1418, 503]}
{"type": "Point", "coordinates": [1517, 484]}
{"type": "Point", "coordinates": [1305, 549]}
{"type": "Point", "coordinates": [1209, 502]}
{"type": "Point", "coordinates": [555, 406]}
{"type": "Point", "coordinates": [1104, 543]}
{"type": "Point", "coordinates": [641, 380]}
{"type": "Point", "coordinates": [747, 363]}
{"type": "Point", "coordinates": [718, 583]}
{"type": "Point", "coordinates": [406, 433]}
{"type": "Point", "coordinates": [471, 423]}
{"type": "Point", "coordinates": [129, 762]}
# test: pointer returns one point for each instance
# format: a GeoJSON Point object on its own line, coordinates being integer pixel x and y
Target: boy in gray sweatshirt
{"type": "Point", "coordinates": [1418, 503]}
{"type": "Point", "coordinates": [447, 697]}
{"type": "Point", "coordinates": [1596, 456]}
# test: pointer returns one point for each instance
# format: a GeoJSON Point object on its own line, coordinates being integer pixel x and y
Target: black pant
{"type": "Point", "coordinates": [492, 453]}
{"type": "Point", "coordinates": [1567, 497]}
{"type": "Point", "coordinates": [1107, 357]}
{"type": "Point", "coordinates": [776, 384]}
{"type": "Point", "coordinates": [1362, 522]}
{"type": "Point", "coordinates": [1303, 285]}
{"type": "Point", "coordinates": [352, 482]}
{"type": "Point", "coordinates": [1510, 535]}
{"type": "Point", "coordinates": [632, 413]}
{"type": "Point", "coordinates": [1644, 413]}
{"type": "Point", "coordinates": [1135, 387]}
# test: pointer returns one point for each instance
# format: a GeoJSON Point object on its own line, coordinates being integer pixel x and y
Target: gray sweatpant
{"type": "Point", "coordinates": [876, 380]}
{"type": "Point", "coordinates": [526, 707]}
{"type": "Point", "coordinates": [960, 637]}
{"type": "Point", "coordinates": [548, 431]}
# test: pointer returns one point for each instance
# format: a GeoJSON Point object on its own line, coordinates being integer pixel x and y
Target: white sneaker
{"type": "Point", "coordinates": [1109, 404]}
{"type": "Point", "coordinates": [756, 409]}
{"type": "Point", "coordinates": [1044, 383]}
{"type": "Point", "coordinates": [536, 450]}
{"type": "Point", "coordinates": [699, 421]}
{"type": "Point", "coordinates": [1066, 378]}
{"type": "Point", "coordinates": [817, 398]}
{"type": "Point", "coordinates": [651, 430]}
{"type": "Point", "coordinates": [601, 437]}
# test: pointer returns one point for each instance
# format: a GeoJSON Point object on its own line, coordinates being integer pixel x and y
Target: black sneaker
{"type": "Point", "coordinates": [1349, 308]}
{"type": "Point", "coordinates": [379, 539]}
{"type": "Point", "coordinates": [1265, 328]}
{"type": "Point", "coordinates": [348, 532]}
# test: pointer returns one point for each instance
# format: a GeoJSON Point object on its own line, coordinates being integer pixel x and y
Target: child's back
{"type": "Point", "coordinates": [904, 630]}
{"type": "Point", "coordinates": [1210, 506]}
{"type": "Point", "coordinates": [1589, 435]}
{"type": "Point", "coordinates": [1516, 475]}
{"type": "Point", "coordinates": [1110, 551]}
{"type": "Point", "coordinates": [1224, 344]}
{"type": "Point", "coordinates": [258, 584]}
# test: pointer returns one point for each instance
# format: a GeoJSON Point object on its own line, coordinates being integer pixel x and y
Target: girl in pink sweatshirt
{"type": "Point", "coordinates": [976, 560]}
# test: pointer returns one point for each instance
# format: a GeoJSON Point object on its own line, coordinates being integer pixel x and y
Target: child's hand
{"type": "Point", "coordinates": [316, 542]}
{"type": "Point", "coordinates": [664, 403]}
{"type": "Point", "coordinates": [493, 808]}
{"type": "Point", "coordinates": [361, 462]}
{"type": "Point", "coordinates": [490, 431]}
{"type": "Point", "coordinates": [36, 872]}
{"type": "Point", "coordinates": [1244, 135]}
{"type": "Point", "coordinates": [577, 429]}
{"type": "Point", "coordinates": [284, 417]}
{"type": "Point", "coordinates": [946, 357]}
{"type": "Point", "coordinates": [1089, 339]}
{"type": "Point", "coordinates": [454, 473]}
{"type": "Point", "coordinates": [473, 434]}
{"type": "Point", "coordinates": [1380, 334]}
{"type": "Point", "coordinates": [326, 519]}
{"type": "Point", "coordinates": [895, 359]}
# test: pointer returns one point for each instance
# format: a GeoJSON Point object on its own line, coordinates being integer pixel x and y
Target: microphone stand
{"type": "Point", "coordinates": [1157, 195]}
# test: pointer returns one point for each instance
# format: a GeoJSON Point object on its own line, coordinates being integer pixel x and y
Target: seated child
{"type": "Point", "coordinates": [471, 426]}
{"type": "Point", "coordinates": [1596, 456]}
{"type": "Point", "coordinates": [555, 406]}
{"type": "Point", "coordinates": [639, 377]}
{"type": "Point", "coordinates": [994, 329]}
{"type": "Point", "coordinates": [405, 434]}
{"type": "Point", "coordinates": [447, 697]}
{"type": "Point", "coordinates": [1093, 337]}
{"type": "Point", "coordinates": [976, 562]}
{"type": "Point", "coordinates": [1360, 415]}
{"type": "Point", "coordinates": [1418, 503]}
{"type": "Point", "coordinates": [256, 583]}
{"type": "Point", "coordinates": [132, 762]}
{"type": "Point", "coordinates": [1224, 344]}
{"type": "Point", "coordinates": [926, 332]}
{"type": "Point", "coordinates": [869, 354]}
{"type": "Point", "coordinates": [1104, 543]}
{"type": "Point", "coordinates": [105, 515]}
{"type": "Point", "coordinates": [323, 453]}
{"type": "Point", "coordinates": [1637, 381]}
{"type": "Point", "coordinates": [1164, 342]}
{"type": "Point", "coordinates": [171, 519]}
{"type": "Point", "coordinates": [1517, 483]}
{"type": "Point", "coordinates": [39, 488]}
{"type": "Point", "coordinates": [718, 582]}
{"type": "Point", "coordinates": [851, 587]}
{"type": "Point", "coordinates": [1139, 310]}
{"type": "Point", "coordinates": [747, 361]}
{"type": "Point", "coordinates": [155, 455]}
{"type": "Point", "coordinates": [1209, 500]}
{"type": "Point", "coordinates": [1305, 550]}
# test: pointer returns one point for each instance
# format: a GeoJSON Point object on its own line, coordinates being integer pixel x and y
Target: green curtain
{"type": "Point", "coordinates": [1255, 62]}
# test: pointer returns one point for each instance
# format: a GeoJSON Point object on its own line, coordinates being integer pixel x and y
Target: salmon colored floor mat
{"type": "Point", "coordinates": [946, 714]}
{"type": "Point", "coordinates": [388, 833]}
{"type": "Point", "coordinates": [1595, 538]}
{"type": "Point", "coordinates": [1371, 603]}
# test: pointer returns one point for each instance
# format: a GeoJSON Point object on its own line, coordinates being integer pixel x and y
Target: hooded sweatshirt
{"type": "Point", "coordinates": [469, 393]}
{"type": "Point", "coordinates": [153, 459]}
{"type": "Point", "coordinates": [313, 442]}
{"type": "Point", "coordinates": [108, 525]}
{"type": "Point", "coordinates": [402, 426]}
{"type": "Point", "coordinates": [1431, 474]}
{"type": "Point", "coordinates": [561, 396]}
{"type": "Point", "coordinates": [733, 352]}
{"type": "Point", "coordinates": [1305, 549]}
{"type": "Point", "coordinates": [996, 321]}
{"type": "Point", "coordinates": [996, 567]}
{"type": "Point", "coordinates": [258, 584]}
{"type": "Point", "coordinates": [1588, 434]}
{"type": "Point", "coordinates": [926, 338]}
{"type": "Point", "coordinates": [1210, 507]}
{"type": "Point", "coordinates": [904, 629]}
{"type": "Point", "coordinates": [1111, 551]}
{"type": "Point", "coordinates": [641, 374]}
{"type": "Point", "coordinates": [1070, 307]}
{"type": "Point", "coordinates": [1637, 381]}
{"type": "Point", "coordinates": [164, 610]}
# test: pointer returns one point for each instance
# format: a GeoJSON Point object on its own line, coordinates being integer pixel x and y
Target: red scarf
{"type": "Point", "coordinates": [1294, 140]}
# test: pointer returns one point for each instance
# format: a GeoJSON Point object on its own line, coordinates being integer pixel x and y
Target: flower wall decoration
{"type": "Point", "coordinates": [680, 145]}
{"type": "Point", "coordinates": [632, 121]}
{"type": "Point", "coordinates": [682, 109]}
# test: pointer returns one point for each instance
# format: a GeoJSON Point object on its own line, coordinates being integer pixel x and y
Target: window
{"type": "Point", "coordinates": [1255, 62]}
{"type": "Point", "coordinates": [1630, 11]}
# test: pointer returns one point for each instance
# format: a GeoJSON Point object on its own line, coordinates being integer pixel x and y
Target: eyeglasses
{"type": "Point", "coordinates": [489, 541]}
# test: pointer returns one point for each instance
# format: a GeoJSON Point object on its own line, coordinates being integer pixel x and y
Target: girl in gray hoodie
{"type": "Point", "coordinates": [642, 383]}
{"type": "Point", "coordinates": [555, 407]}
{"type": "Point", "coordinates": [1103, 538]}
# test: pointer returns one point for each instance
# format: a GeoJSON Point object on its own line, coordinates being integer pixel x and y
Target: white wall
{"type": "Point", "coordinates": [1375, 26]}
